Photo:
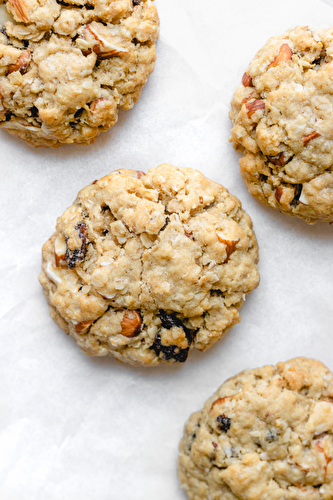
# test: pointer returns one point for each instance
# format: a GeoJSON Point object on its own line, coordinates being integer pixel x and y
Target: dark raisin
{"type": "Point", "coordinates": [263, 178]}
{"type": "Point", "coordinates": [224, 423]}
{"type": "Point", "coordinates": [171, 320]}
{"type": "Point", "coordinates": [78, 113]}
{"type": "Point", "coordinates": [3, 31]}
{"type": "Point", "coordinates": [169, 351]}
{"type": "Point", "coordinates": [136, 2]}
{"type": "Point", "coordinates": [34, 111]}
{"type": "Point", "coordinates": [74, 256]}
{"type": "Point", "coordinates": [298, 192]}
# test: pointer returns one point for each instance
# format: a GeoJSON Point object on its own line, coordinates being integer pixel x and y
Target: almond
{"type": "Point", "coordinates": [246, 99]}
{"type": "Point", "coordinates": [20, 10]}
{"type": "Point", "coordinates": [247, 80]}
{"type": "Point", "coordinates": [82, 326]}
{"type": "Point", "coordinates": [59, 249]}
{"type": "Point", "coordinates": [22, 63]}
{"type": "Point", "coordinates": [104, 48]}
{"type": "Point", "coordinates": [278, 193]}
{"type": "Point", "coordinates": [277, 160]}
{"type": "Point", "coordinates": [230, 245]}
{"type": "Point", "coordinates": [308, 138]}
{"type": "Point", "coordinates": [220, 401]}
{"type": "Point", "coordinates": [254, 106]}
{"type": "Point", "coordinates": [285, 54]}
{"type": "Point", "coordinates": [131, 324]}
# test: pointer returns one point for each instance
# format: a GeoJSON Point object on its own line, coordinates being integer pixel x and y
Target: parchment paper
{"type": "Point", "coordinates": [74, 427]}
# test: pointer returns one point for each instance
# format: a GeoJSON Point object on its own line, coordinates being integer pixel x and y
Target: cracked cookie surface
{"type": "Point", "coordinates": [67, 67]}
{"type": "Point", "coordinates": [282, 118]}
{"type": "Point", "coordinates": [148, 266]}
{"type": "Point", "coordinates": [265, 433]}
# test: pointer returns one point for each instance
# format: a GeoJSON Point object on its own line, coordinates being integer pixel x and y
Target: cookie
{"type": "Point", "coordinates": [67, 67]}
{"type": "Point", "coordinates": [147, 267]}
{"type": "Point", "coordinates": [282, 118]}
{"type": "Point", "coordinates": [265, 434]}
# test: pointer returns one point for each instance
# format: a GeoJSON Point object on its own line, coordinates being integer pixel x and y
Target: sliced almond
{"type": "Point", "coordinates": [230, 245]}
{"type": "Point", "coordinates": [131, 324]}
{"type": "Point", "coordinates": [21, 64]}
{"type": "Point", "coordinates": [254, 106]}
{"type": "Point", "coordinates": [82, 326]}
{"type": "Point", "coordinates": [308, 138]}
{"type": "Point", "coordinates": [60, 249]}
{"type": "Point", "coordinates": [247, 80]}
{"type": "Point", "coordinates": [285, 54]}
{"type": "Point", "coordinates": [20, 10]}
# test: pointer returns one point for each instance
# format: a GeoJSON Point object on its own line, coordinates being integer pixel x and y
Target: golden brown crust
{"type": "Point", "coordinates": [265, 433]}
{"type": "Point", "coordinates": [146, 267]}
{"type": "Point", "coordinates": [68, 69]}
{"type": "Point", "coordinates": [282, 115]}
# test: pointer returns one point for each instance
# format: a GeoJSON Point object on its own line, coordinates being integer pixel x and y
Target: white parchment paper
{"type": "Point", "coordinates": [74, 427]}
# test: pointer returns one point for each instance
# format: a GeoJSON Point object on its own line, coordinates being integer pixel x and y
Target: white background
{"type": "Point", "coordinates": [74, 427]}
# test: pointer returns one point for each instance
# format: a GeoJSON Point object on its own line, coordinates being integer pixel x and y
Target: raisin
{"type": "Point", "coordinates": [74, 256]}
{"type": "Point", "coordinates": [78, 113]}
{"type": "Point", "coordinates": [170, 321]}
{"type": "Point", "coordinates": [298, 191]}
{"type": "Point", "coordinates": [136, 2]}
{"type": "Point", "coordinates": [224, 423]}
{"type": "Point", "coordinates": [3, 31]}
{"type": "Point", "coordinates": [169, 351]}
{"type": "Point", "coordinates": [34, 111]}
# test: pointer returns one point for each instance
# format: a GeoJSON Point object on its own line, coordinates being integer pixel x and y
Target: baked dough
{"type": "Point", "coordinates": [282, 117]}
{"type": "Point", "coordinates": [67, 67]}
{"type": "Point", "coordinates": [147, 267]}
{"type": "Point", "coordinates": [266, 433]}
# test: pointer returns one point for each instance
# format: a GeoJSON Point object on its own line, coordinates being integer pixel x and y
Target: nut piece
{"type": "Point", "coordinates": [230, 245]}
{"type": "Point", "coordinates": [82, 326]}
{"type": "Point", "coordinates": [20, 9]}
{"type": "Point", "coordinates": [104, 48]}
{"type": "Point", "coordinates": [220, 401]}
{"type": "Point", "coordinates": [247, 80]}
{"type": "Point", "coordinates": [313, 135]}
{"type": "Point", "coordinates": [285, 54]}
{"type": "Point", "coordinates": [278, 193]}
{"type": "Point", "coordinates": [254, 106]}
{"type": "Point", "coordinates": [131, 324]}
{"type": "Point", "coordinates": [21, 64]}
{"type": "Point", "coordinates": [277, 160]}
{"type": "Point", "coordinates": [59, 249]}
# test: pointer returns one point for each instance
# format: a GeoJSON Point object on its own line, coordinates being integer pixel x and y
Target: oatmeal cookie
{"type": "Point", "coordinates": [266, 433]}
{"type": "Point", "coordinates": [147, 266]}
{"type": "Point", "coordinates": [67, 67]}
{"type": "Point", "coordinates": [282, 117]}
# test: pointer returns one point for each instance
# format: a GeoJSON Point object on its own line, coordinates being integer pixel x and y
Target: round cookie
{"type": "Point", "coordinates": [148, 266]}
{"type": "Point", "coordinates": [67, 67]}
{"type": "Point", "coordinates": [282, 116]}
{"type": "Point", "coordinates": [266, 433]}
